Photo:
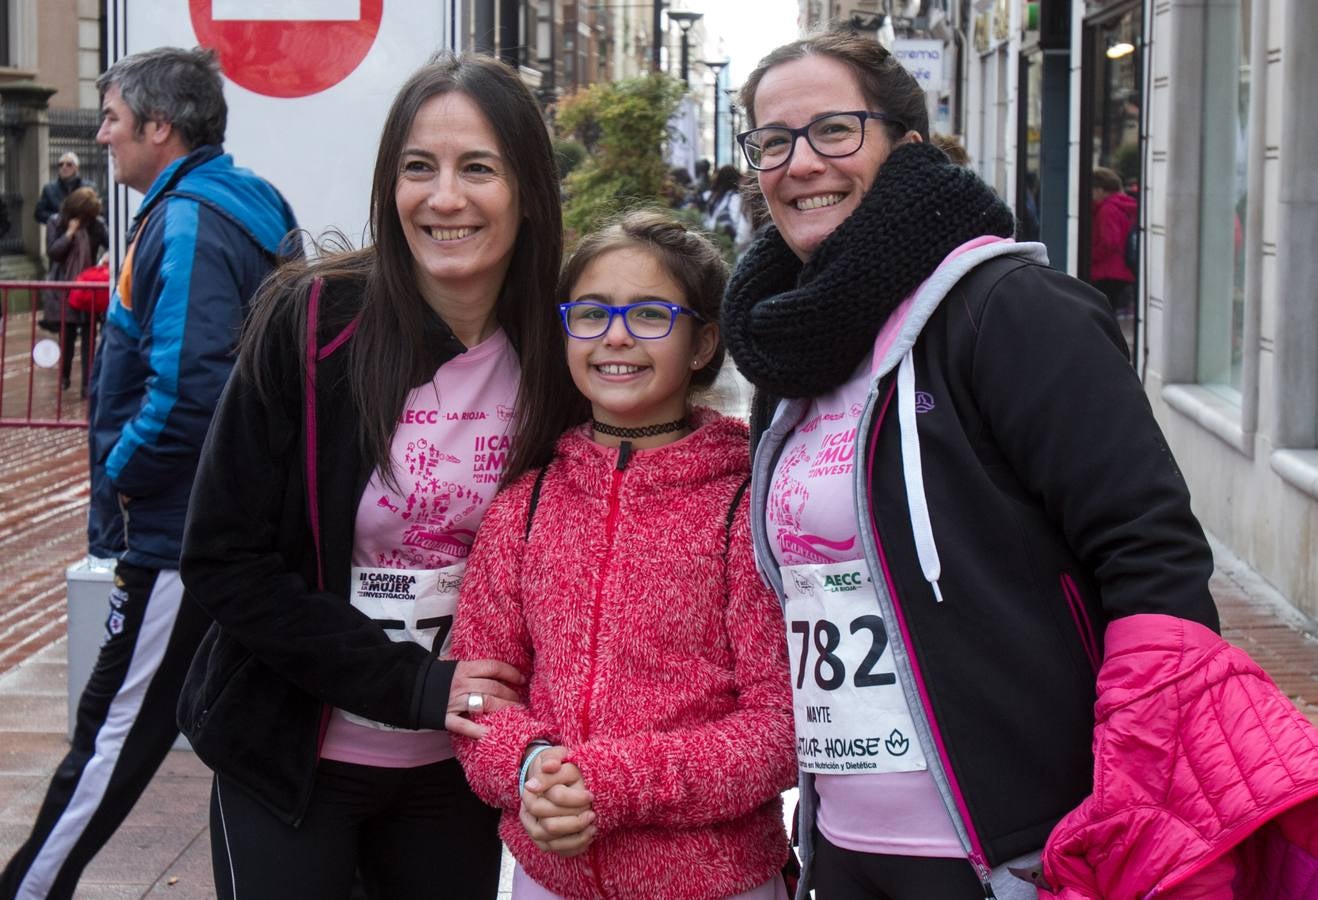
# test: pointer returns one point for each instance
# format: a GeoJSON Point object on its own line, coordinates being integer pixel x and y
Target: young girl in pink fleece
{"type": "Point", "coordinates": [656, 736]}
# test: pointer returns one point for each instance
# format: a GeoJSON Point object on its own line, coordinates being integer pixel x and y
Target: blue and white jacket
{"type": "Point", "coordinates": [206, 235]}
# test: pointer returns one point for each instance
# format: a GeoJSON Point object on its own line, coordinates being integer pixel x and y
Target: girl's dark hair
{"type": "Point", "coordinates": [686, 256]}
{"type": "Point", "coordinates": [395, 347]}
{"type": "Point", "coordinates": [887, 86]}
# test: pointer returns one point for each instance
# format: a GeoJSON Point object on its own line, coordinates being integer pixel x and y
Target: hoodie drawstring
{"type": "Point", "coordinates": [913, 473]}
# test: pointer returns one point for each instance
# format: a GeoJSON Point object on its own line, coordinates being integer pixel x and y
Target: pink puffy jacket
{"type": "Point", "coordinates": [1205, 778]}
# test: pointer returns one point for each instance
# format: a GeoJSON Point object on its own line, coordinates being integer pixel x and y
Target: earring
{"type": "Point", "coordinates": [695, 364]}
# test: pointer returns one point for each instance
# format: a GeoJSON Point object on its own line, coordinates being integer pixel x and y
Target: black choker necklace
{"type": "Point", "coordinates": [643, 431]}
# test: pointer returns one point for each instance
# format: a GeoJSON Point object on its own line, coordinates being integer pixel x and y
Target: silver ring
{"type": "Point", "coordinates": [475, 703]}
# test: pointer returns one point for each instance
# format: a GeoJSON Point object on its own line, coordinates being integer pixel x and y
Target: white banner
{"type": "Point", "coordinates": [308, 84]}
{"type": "Point", "coordinates": [288, 10]}
{"type": "Point", "coordinates": [923, 59]}
{"type": "Point", "coordinates": [684, 136]}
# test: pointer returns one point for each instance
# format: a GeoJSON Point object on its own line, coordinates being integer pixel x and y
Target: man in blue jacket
{"type": "Point", "coordinates": [204, 237]}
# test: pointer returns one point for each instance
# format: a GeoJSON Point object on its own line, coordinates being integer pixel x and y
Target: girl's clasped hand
{"type": "Point", "coordinates": [557, 808]}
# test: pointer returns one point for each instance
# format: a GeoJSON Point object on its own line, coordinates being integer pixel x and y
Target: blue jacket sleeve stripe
{"type": "Point", "coordinates": [163, 338]}
{"type": "Point", "coordinates": [123, 318]}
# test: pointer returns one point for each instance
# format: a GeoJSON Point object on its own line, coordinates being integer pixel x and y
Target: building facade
{"type": "Point", "coordinates": [51, 52]}
{"type": "Point", "coordinates": [1203, 108]}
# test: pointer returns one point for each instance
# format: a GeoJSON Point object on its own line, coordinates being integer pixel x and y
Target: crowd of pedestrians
{"type": "Point", "coordinates": [430, 547]}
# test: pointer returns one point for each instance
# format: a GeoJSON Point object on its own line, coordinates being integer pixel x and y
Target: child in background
{"type": "Point", "coordinates": [657, 732]}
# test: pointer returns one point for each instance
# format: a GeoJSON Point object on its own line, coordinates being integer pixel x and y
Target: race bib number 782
{"type": "Point", "coordinates": [851, 715]}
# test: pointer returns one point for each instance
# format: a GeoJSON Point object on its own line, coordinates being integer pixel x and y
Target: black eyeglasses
{"type": "Point", "coordinates": [833, 135]}
{"type": "Point", "coordinates": [646, 321]}
{"type": "Point", "coordinates": [67, 162]}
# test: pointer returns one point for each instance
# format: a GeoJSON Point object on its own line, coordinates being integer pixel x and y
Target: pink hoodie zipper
{"type": "Point", "coordinates": [610, 528]}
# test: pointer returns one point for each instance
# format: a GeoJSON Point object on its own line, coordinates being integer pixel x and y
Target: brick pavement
{"type": "Point", "coordinates": [43, 528]}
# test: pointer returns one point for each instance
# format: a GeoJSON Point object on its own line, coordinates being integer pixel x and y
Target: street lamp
{"type": "Point", "coordinates": [734, 123]}
{"type": "Point", "coordinates": [684, 21]}
{"type": "Point", "coordinates": [716, 66]}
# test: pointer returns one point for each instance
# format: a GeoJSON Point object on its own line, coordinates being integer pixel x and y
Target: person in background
{"type": "Point", "coordinates": [701, 186]}
{"type": "Point", "coordinates": [1027, 228]}
{"type": "Point", "coordinates": [724, 211]}
{"type": "Point", "coordinates": [66, 181]}
{"type": "Point", "coordinates": [1114, 213]}
{"type": "Point", "coordinates": [381, 397]}
{"type": "Point", "coordinates": [76, 237]}
{"type": "Point", "coordinates": [995, 609]}
{"type": "Point", "coordinates": [678, 189]}
{"type": "Point", "coordinates": [205, 236]}
{"type": "Point", "coordinates": [619, 580]}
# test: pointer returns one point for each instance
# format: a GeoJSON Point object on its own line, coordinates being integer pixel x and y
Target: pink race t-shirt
{"type": "Point", "coordinates": [812, 520]}
{"type": "Point", "coordinates": [449, 450]}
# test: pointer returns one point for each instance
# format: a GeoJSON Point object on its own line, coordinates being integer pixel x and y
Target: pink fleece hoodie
{"type": "Point", "coordinates": [653, 651]}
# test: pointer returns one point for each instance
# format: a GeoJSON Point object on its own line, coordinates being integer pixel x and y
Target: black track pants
{"type": "Point", "coordinates": [412, 834]}
{"type": "Point", "coordinates": [840, 874]}
{"type": "Point", "coordinates": [126, 725]}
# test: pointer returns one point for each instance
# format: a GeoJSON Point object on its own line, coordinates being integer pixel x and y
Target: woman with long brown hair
{"type": "Point", "coordinates": [381, 397]}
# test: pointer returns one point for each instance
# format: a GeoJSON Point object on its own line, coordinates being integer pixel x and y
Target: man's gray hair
{"type": "Point", "coordinates": [170, 84]}
{"type": "Point", "coordinates": [69, 156]}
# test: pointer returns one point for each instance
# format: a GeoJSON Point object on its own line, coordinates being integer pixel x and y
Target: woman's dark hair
{"type": "Point", "coordinates": [81, 203]}
{"type": "Point", "coordinates": [395, 347]}
{"type": "Point", "coordinates": [887, 86]}
{"type": "Point", "coordinates": [686, 256]}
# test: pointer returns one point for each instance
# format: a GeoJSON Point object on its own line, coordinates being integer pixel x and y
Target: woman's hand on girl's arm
{"type": "Point", "coordinates": [490, 625]}
{"type": "Point", "coordinates": [498, 684]}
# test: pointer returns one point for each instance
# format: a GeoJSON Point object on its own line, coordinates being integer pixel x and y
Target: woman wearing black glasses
{"type": "Point", "coordinates": [656, 739]}
{"type": "Point", "coordinates": [958, 489]}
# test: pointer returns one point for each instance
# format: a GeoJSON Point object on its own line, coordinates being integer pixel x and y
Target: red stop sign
{"type": "Point", "coordinates": [289, 58]}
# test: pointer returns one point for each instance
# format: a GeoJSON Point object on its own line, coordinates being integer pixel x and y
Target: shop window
{"type": "Point", "coordinates": [1109, 240]}
{"type": "Point", "coordinates": [1224, 197]}
{"type": "Point", "coordinates": [4, 33]}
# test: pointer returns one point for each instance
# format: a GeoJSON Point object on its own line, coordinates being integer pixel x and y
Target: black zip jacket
{"type": "Point", "coordinates": [1053, 499]}
{"type": "Point", "coordinates": [282, 652]}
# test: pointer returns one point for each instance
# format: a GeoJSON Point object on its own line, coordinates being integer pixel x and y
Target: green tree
{"type": "Point", "coordinates": [624, 126]}
{"type": "Point", "coordinates": [569, 154]}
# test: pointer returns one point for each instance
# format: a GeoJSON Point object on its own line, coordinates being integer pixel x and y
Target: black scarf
{"type": "Point", "coordinates": [800, 330]}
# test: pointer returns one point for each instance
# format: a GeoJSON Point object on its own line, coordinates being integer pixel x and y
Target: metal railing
{"type": "Point", "coordinates": [39, 373]}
